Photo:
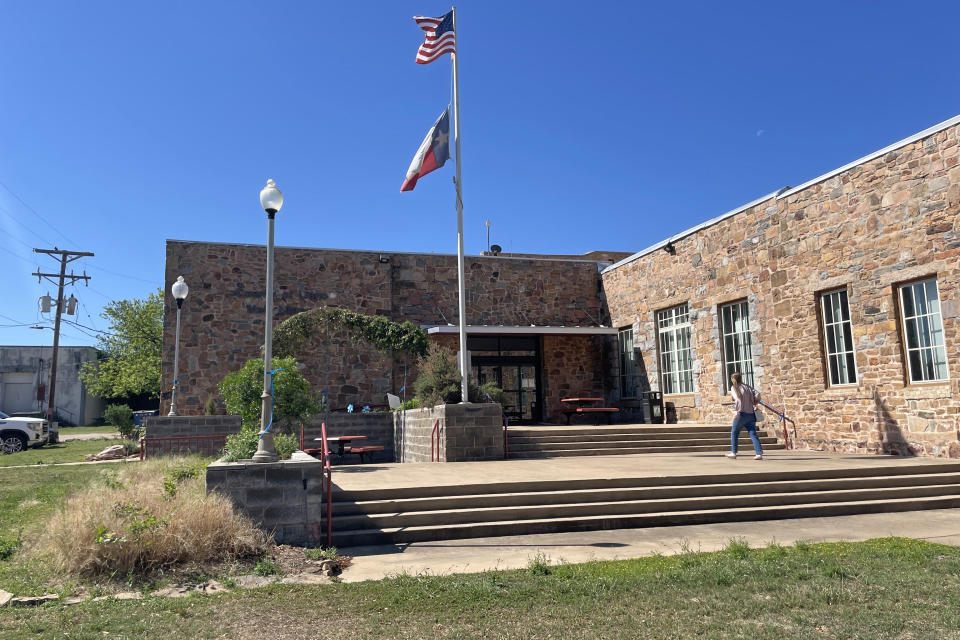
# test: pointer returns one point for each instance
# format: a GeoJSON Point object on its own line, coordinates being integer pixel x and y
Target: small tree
{"type": "Point", "coordinates": [439, 381]}
{"type": "Point", "coordinates": [130, 365]}
{"type": "Point", "coordinates": [292, 400]}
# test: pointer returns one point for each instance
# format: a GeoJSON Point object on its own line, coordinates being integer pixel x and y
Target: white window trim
{"type": "Point", "coordinates": [623, 375]}
{"type": "Point", "coordinates": [826, 343]}
{"type": "Point", "coordinates": [675, 329]}
{"type": "Point", "coordinates": [903, 331]}
{"type": "Point", "coordinates": [723, 344]}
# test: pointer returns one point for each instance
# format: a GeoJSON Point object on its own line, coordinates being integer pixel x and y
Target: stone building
{"type": "Point", "coordinates": [537, 326]}
{"type": "Point", "coordinates": [837, 298]}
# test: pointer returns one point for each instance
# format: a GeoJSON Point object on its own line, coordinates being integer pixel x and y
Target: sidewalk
{"type": "Point", "coordinates": [514, 552]}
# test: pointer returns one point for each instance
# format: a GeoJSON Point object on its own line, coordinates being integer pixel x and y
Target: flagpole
{"type": "Point", "coordinates": [464, 366]}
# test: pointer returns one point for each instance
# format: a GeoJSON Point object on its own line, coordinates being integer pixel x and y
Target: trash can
{"type": "Point", "coordinates": [138, 416]}
{"type": "Point", "coordinates": [653, 407]}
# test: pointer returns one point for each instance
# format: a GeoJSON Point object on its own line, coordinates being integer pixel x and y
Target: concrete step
{"type": "Point", "coordinates": [627, 435]}
{"type": "Point", "coordinates": [626, 444]}
{"type": "Point", "coordinates": [757, 474]}
{"type": "Point", "coordinates": [628, 450]}
{"type": "Point", "coordinates": [603, 429]}
{"type": "Point", "coordinates": [397, 535]}
{"type": "Point", "coordinates": [452, 517]}
{"type": "Point", "coordinates": [578, 495]}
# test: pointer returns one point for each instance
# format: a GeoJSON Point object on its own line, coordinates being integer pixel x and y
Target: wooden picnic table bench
{"type": "Point", "coordinates": [582, 406]}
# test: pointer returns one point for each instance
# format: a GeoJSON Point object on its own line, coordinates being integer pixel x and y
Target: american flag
{"type": "Point", "coordinates": [441, 38]}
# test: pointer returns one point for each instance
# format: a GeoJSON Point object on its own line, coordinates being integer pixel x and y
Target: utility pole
{"type": "Point", "coordinates": [64, 258]}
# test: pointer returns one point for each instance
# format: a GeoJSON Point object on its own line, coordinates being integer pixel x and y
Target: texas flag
{"type": "Point", "coordinates": [432, 154]}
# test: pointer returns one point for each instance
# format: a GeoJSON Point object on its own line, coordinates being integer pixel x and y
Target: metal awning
{"type": "Point", "coordinates": [531, 330]}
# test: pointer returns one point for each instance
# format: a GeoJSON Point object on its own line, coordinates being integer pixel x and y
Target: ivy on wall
{"type": "Point", "coordinates": [381, 333]}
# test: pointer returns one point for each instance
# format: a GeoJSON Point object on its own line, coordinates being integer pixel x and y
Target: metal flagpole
{"type": "Point", "coordinates": [464, 368]}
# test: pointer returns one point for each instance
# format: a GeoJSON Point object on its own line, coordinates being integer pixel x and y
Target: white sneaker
{"type": "Point", "coordinates": [759, 457]}
{"type": "Point", "coordinates": [731, 455]}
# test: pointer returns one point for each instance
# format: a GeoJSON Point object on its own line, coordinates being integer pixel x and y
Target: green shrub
{"type": "Point", "coordinates": [266, 567]}
{"type": "Point", "coordinates": [121, 417]}
{"type": "Point", "coordinates": [210, 408]}
{"type": "Point", "coordinates": [10, 544]}
{"type": "Point", "coordinates": [439, 381]}
{"type": "Point", "coordinates": [293, 401]}
{"type": "Point", "coordinates": [175, 475]}
{"type": "Point", "coordinates": [322, 553]}
{"type": "Point", "coordinates": [243, 444]}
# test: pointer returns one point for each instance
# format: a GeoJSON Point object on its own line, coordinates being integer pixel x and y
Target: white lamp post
{"type": "Point", "coordinates": [271, 199]}
{"type": "Point", "coordinates": [179, 291]}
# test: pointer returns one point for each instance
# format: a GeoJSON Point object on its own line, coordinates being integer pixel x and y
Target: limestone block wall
{"type": "Point", "coordinates": [284, 498]}
{"type": "Point", "coordinates": [880, 223]}
{"type": "Point", "coordinates": [222, 319]}
{"type": "Point", "coordinates": [467, 432]}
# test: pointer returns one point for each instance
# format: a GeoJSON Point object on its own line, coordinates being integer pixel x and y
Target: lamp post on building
{"type": "Point", "coordinates": [179, 291]}
{"type": "Point", "coordinates": [271, 199]}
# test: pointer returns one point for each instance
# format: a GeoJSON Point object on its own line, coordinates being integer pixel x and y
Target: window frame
{"type": "Point", "coordinates": [748, 378]}
{"type": "Point", "coordinates": [904, 339]}
{"type": "Point", "coordinates": [624, 375]}
{"type": "Point", "coordinates": [678, 374]}
{"type": "Point", "coordinates": [822, 298]}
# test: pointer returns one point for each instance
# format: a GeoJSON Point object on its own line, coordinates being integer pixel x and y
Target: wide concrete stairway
{"type": "Point", "coordinates": [424, 513]}
{"type": "Point", "coordinates": [550, 442]}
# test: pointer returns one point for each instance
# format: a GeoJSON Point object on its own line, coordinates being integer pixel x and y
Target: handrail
{"type": "Point", "coordinates": [325, 461]}
{"type": "Point", "coordinates": [784, 419]}
{"type": "Point", "coordinates": [435, 435]}
{"type": "Point", "coordinates": [506, 442]}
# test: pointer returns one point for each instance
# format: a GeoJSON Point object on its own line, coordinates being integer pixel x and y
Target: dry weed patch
{"type": "Point", "coordinates": [149, 516]}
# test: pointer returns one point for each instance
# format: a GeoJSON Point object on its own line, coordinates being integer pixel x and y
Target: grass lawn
{"type": "Point", "coordinates": [887, 588]}
{"type": "Point", "coordinates": [27, 497]}
{"type": "Point", "coordinates": [73, 451]}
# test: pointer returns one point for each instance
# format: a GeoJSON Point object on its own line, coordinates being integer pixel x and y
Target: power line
{"type": "Point", "coordinates": [117, 273]}
{"type": "Point", "coordinates": [24, 225]}
{"type": "Point", "coordinates": [34, 212]}
{"type": "Point", "coordinates": [17, 255]}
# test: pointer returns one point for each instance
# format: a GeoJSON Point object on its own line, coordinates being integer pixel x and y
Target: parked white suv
{"type": "Point", "coordinates": [16, 434]}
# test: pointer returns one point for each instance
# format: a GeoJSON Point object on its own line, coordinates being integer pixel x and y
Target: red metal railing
{"type": "Point", "coordinates": [784, 419]}
{"type": "Point", "coordinates": [325, 461]}
{"type": "Point", "coordinates": [506, 442]}
{"type": "Point", "coordinates": [435, 442]}
{"type": "Point", "coordinates": [208, 445]}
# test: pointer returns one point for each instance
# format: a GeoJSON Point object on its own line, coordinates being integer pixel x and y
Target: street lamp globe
{"type": "Point", "coordinates": [180, 289]}
{"type": "Point", "coordinates": [271, 198]}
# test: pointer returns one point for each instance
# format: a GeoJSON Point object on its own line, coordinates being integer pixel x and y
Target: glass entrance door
{"type": "Point", "coordinates": [519, 384]}
{"type": "Point", "coordinates": [512, 363]}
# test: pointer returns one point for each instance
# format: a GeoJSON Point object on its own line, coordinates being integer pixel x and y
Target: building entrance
{"type": "Point", "coordinates": [513, 364]}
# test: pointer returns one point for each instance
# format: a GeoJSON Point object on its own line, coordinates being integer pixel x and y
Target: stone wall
{"type": "Point", "coordinates": [222, 319]}
{"type": "Point", "coordinates": [183, 435]}
{"type": "Point", "coordinates": [467, 432]}
{"type": "Point", "coordinates": [284, 498]}
{"type": "Point", "coordinates": [880, 223]}
{"type": "Point", "coordinates": [575, 366]}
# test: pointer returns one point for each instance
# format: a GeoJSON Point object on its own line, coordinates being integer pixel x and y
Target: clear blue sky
{"type": "Point", "coordinates": [585, 126]}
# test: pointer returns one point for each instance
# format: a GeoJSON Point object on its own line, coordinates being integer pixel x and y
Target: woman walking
{"type": "Point", "coordinates": [744, 397]}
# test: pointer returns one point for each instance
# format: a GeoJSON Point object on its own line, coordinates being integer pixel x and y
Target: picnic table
{"type": "Point", "coordinates": [573, 406]}
{"type": "Point", "coordinates": [344, 446]}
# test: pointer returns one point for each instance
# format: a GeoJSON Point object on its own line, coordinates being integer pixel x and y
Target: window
{"type": "Point", "coordinates": [676, 360]}
{"type": "Point", "coordinates": [628, 364]}
{"type": "Point", "coordinates": [923, 331]}
{"type": "Point", "coordinates": [838, 338]}
{"type": "Point", "coordinates": [735, 334]}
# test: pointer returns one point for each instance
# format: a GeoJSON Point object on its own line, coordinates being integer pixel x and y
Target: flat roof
{"type": "Point", "coordinates": [505, 330]}
{"type": "Point", "coordinates": [789, 191]}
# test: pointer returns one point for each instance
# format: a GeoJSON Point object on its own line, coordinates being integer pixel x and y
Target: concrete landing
{"type": "Point", "coordinates": [650, 465]}
{"type": "Point", "coordinates": [514, 552]}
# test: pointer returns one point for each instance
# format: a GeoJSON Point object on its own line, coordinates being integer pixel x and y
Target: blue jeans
{"type": "Point", "coordinates": [746, 421]}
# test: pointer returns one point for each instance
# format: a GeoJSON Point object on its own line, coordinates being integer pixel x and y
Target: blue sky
{"type": "Point", "coordinates": [123, 124]}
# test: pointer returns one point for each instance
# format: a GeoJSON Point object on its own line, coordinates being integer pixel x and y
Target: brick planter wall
{"type": "Point", "coordinates": [284, 498]}
{"type": "Point", "coordinates": [467, 432]}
